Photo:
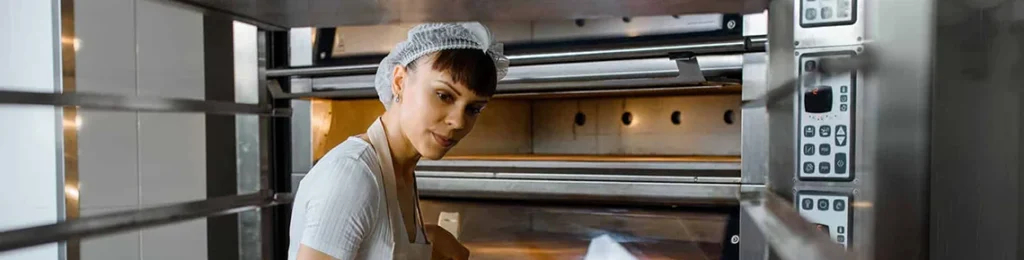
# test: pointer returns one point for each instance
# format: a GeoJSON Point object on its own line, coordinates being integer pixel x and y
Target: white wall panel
{"type": "Point", "coordinates": [29, 137]}
{"type": "Point", "coordinates": [128, 159]}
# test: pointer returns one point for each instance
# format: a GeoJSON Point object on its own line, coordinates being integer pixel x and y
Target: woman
{"type": "Point", "coordinates": [360, 201]}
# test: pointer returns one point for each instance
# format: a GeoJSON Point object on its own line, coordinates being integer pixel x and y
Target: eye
{"type": "Point", "coordinates": [445, 97]}
{"type": "Point", "coordinates": [474, 110]}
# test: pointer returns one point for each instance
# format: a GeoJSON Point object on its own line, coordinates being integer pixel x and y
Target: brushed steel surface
{"type": "Point", "coordinates": [976, 142]}
{"type": "Point", "coordinates": [585, 55]}
{"type": "Point", "coordinates": [570, 162]}
{"type": "Point", "coordinates": [379, 39]}
{"type": "Point", "coordinates": [328, 13]}
{"type": "Point", "coordinates": [601, 75]}
{"type": "Point", "coordinates": [636, 26]}
{"type": "Point", "coordinates": [578, 177]}
{"type": "Point", "coordinates": [134, 219]}
{"type": "Point", "coordinates": [553, 190]}
{"type": "Point", "coordinates": [713, 47]}
{"type": "Point", "coordinates": [754, 129]}
{"type": "Point", "coordinates": [787, 233]}
{"type": "Point", "coordinates": [755, 24]}
{"type": "Point", "coordinates": [142, 104]}
{"type": "Point", "coordinates": [301, 127]}
{"type": "Point", "coordinates": [895, 129]}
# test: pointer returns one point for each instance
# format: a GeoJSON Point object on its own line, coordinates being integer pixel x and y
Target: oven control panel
{"type": "Point", "coordinates": [827, 12]}
{"type": "Point", "coordinates": [825, 112]}
{"type": "Point", "coordinates": [829, 212]}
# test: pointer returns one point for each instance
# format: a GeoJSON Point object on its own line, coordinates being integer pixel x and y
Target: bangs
{"type": "Point", "coordinates": [469, 67]}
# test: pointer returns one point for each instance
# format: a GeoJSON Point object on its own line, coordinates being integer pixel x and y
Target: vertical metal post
{"type": "Point", "coordinates": [754, 135]}
{"type": "Point", "coordinates": [266, 214]}
{"type": "Point", "coordinates": [68, 116]}
{"type": "Point", "coordinates": [247, 133]}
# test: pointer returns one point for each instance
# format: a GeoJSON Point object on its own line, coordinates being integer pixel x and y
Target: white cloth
{"type": "Point", "coordinates": [342, 206]}
{"type": "Point", "coordinates": [431, 37]}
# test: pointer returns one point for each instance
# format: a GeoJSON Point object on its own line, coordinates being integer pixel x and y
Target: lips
{"type": "Point", "coordinates": [443, 141]}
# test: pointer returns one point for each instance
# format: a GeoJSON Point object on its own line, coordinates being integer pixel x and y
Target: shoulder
{"type": "Point", "coordinates": [351, 164]}
{"type": "Point", "coordinates": [351, 151]}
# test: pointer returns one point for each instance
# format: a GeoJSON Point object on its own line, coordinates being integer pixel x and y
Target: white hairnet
{"type": "Point", "coordinates": [428, 38]}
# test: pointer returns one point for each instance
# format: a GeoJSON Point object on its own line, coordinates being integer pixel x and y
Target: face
{"type": "Point", "coordinates": [435, 112]}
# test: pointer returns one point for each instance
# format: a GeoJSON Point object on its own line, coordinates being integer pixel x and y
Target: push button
{"type": "Point", "coordinates": [843, 108]}
{"type": "Point", "coordinates": [825, 131]}
{"type": "Point", "coordinates": [822, 204]}
{"type": "Point", "coordinates": [808, 149]}
{"type": "Point", "coordinates": [839, 205]}
{"type": "Point", "coordinates": [824, 149]}
{"type": "Point", "coordinates": [826, 12]}
{"type": "Point", "coordinates": [809, 131]}
{"type": "Point", "coordinates": [808, 167]}
{"type": "Point", "coordinates": [824, 167]}
{"type": "Point", "coordinates": [841, 163]}
{"type": "Point", "coordinates": [811, 13]}
{"type": "Point", "coordinates": [841, 134]}
{"type": "Point", "coordinates": [807, 204]}
{"type": "Point", "coordinates": [841, 229]}
{"type": "Point", "coordinates": [843, 98]}
{"type": "Point", "coordinates": [841, 239]}
{"type": "Point", "coordinates": [844, 89]}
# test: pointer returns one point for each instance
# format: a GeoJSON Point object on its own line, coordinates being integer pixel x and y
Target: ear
{"type": "Point", "coordinates": [400, 73]}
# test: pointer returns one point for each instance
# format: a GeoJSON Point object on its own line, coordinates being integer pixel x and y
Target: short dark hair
{"type": "Point", "coordinates": [471, 67]}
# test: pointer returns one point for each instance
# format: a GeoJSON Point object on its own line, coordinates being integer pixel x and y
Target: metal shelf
{"type": "Point", "coordinates": [329, 13]}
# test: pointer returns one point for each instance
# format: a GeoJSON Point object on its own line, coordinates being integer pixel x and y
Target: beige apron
{"type": "Point", "coordinates": [401, 248]}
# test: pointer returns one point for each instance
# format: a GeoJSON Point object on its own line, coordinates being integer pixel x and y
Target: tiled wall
{"type": "Point", "coordinates": [29, 135]}
{"type": "Point", "coordinates": [129, 160]}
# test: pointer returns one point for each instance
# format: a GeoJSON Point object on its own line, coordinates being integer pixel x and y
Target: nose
{"type": "Point", "coordinates": [456, 119]}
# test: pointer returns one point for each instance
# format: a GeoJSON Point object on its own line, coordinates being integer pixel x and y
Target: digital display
{"type": "Point", "coordinates": [822, 227]}
{"type": "Point", "coordinates": [818, 99]}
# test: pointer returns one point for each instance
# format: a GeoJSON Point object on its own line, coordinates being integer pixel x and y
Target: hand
{"type": "Point", "coordinates": [445, 245]}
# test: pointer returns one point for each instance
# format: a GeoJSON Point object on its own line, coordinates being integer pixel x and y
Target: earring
{"type": "Point", "coordinates": [398, 98]}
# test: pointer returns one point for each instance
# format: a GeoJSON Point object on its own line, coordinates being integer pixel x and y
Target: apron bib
{"type": "Point", "coordinates": [401, 249]}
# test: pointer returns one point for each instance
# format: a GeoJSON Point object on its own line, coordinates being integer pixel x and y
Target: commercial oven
{"type": "Point", "coordinates": [666, 129]}
{"type": "Point", "coordinates": [623, 129]}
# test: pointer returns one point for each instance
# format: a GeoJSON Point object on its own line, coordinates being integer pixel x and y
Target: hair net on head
{"type": "Point", "coordinates": [428, 38]}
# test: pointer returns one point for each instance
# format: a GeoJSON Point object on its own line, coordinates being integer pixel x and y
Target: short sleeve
{"type": "Point", "coordinates": [343, 213]}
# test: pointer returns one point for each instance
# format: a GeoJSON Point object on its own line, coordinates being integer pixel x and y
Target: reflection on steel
{"type": "Point", "coordinates": [525, 230]}
{"type": "Point", "coordinates": [619, 191]}
{"type": "Point", "coordinates": [142, 104]}
{"type": "Point", "coordinates": [626, 177]}
{"type": "Point", "coordinates": [323, 71]}
{"type": "Point", "coordinates": [732, 46]}
{"type": "Point", "coordinates": [757, 43]}
{"type": "Point", "coordinates": [629, 53]}
{"type": "Point", "coordinates": [325, 13]}
{"type": "Point", "coordinates": [726, 88]}
{"type": "Point", "coordinates": [785, 90]}
{"type": "Point", "coordinates": [68, 169]}
{"type": "Point", "coordinates": [137, 219]}
{"type": "Point", "coordinates": [722, 164]}
{"type": "Point", "coordinates": [600, 75]}
{"type": "Point", "coordinates": [754, 139]}
{"type": "Point", "coordinates": [787, 233]}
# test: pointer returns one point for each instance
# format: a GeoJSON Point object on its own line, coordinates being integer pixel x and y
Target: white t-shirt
{"type": "Point", "coordinates": [340, 208]}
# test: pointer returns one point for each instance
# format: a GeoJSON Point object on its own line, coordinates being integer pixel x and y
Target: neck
{"type": "Point", "coordinates": [403, 155]}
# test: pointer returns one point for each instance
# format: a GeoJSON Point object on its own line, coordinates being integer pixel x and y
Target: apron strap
{"type": "Point", "coordinates": [379, 141]}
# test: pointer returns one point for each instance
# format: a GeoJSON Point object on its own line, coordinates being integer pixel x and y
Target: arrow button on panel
{"type": "Point", "coordinates": [841, 134]}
